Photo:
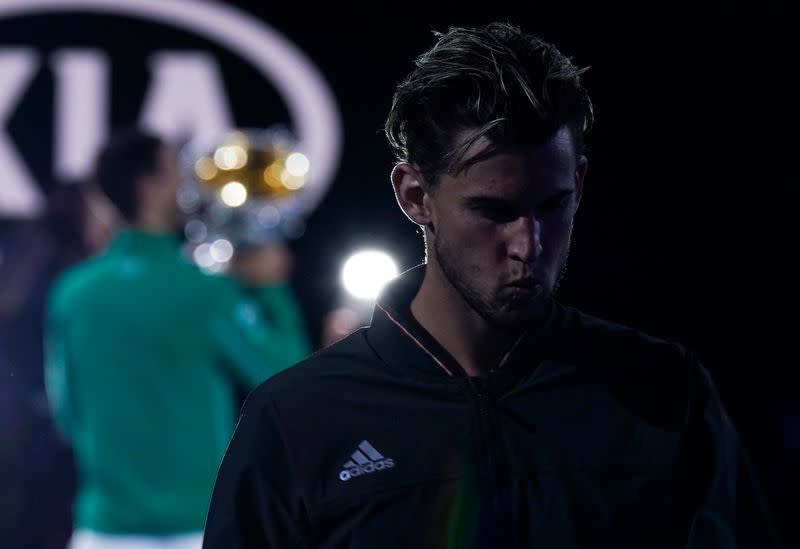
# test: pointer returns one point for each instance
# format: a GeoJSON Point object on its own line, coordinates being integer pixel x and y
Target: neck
{"type": "Point", "coordinates": [440, 308]}
{"type": "Point", "coordinates": [153, 223]}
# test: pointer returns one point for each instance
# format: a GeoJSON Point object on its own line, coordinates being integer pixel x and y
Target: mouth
{"type": "Point", "coordinates": [524, 290]}
{"type": "Point", "coordinates": [524, 283]}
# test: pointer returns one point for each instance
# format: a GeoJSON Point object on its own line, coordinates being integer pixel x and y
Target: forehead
{"type": "Point", "coordinates": [538, 169]}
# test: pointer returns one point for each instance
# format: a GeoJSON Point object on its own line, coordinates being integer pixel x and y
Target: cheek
{"type": "Point", "coordinates": [556, 232]}
{"type": "Point", "coordinates": [486, 240]}
{"type": "Point", "coordinates": [464, 229]}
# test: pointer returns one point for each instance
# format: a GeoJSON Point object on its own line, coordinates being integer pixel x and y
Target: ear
{"type": "Point", "coordinates": [410, 193]}
{"type": "Point", "coordinates": [580, 173]}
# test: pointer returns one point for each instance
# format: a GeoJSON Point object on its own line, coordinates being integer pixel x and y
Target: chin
{"type": "Point", "coordinates": [518, 313]}
{"type": "Point", "coordinates": [513, 318]}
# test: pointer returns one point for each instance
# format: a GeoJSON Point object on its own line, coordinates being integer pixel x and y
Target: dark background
{"type": "Point", "coordinates": [678, 230]}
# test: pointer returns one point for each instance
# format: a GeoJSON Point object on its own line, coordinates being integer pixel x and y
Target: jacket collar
{"type": "Point", "coordinates": [402, 343]}
{"type": "Point", "coordinates": [137, 242]}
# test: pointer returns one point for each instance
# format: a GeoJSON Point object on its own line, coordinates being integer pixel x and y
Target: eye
{"type": "Point", "coordinates": [499, 213]}
{"type": "Point", "coordinates": [555, 204]}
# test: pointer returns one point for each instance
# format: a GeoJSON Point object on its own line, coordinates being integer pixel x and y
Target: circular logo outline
{"type": "Point", "coordinates": [309, 100]}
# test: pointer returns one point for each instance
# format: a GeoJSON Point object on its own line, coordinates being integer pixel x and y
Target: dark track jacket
{"type": "Point", "coordinates": [588, 434]}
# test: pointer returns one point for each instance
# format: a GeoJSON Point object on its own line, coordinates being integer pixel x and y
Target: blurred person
{"type": "Point", "coordinates": [147, 357]}
{"type": "Point", "coordinates": [36, 471]}
{"type": "Point", "coordinates": [339, 323]}
{"type": "Point", "coordinates": [476, 410]}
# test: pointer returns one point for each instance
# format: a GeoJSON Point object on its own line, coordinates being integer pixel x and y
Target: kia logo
{"type": "Point", "coordinates": [182, 85]}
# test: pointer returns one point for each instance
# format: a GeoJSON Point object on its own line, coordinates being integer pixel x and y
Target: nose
{"type": "Point", "coordinates": [525, 243]}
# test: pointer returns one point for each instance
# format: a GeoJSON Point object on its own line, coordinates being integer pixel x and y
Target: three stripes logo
{"type": "Point", "coordinates": [365, 460]}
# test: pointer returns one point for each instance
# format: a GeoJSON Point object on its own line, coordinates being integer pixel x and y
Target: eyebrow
{"type": "Point", "coordinates": [476, 201]}
{"type": "Point", "coordinates": [558, 195]}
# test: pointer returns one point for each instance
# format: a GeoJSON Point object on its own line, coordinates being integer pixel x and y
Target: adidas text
{"type": "Point", "coordinates": [359, 470]}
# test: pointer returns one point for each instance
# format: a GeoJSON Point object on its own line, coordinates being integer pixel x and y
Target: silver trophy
{"type": "Point", "coordinates": [240, 188]}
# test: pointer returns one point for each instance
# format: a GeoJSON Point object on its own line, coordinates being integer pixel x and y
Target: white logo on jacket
{"type": "Point", "coordinates": [364, 461]}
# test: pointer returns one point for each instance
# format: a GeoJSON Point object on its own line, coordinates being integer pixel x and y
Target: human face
{"type": "Point", "coordinates": [500, 230]}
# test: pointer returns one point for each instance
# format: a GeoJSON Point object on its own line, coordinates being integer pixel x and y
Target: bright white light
{"type": "Point", "coordinates": [366, 273]}
{"type": "Point", "coordinates": [215, 268]}
{"type": "Point", "coordinates": [202, 256]}
{"type": "Point", "coordinates": [230, 157]}
{"type": "Point", "coordinates": [221, 250]}
{"type": "Point", "coordinates": [233, 194]}
{"type": "Point", "coordinates": [297, 164]}
{"type": "Point", "coordinates": [292, 182]}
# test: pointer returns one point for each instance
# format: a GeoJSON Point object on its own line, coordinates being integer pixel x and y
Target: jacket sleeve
{"type": "Point", "coordinates": [57, 367]}
{"type": "Point", "coordinates": [255, 503]}
{"type": "Point", "coordinates": [731, 511]}
{"type": "Point", "coordinates": [258, 332]}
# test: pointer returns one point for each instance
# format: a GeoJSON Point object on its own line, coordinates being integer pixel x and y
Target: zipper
{"type": "Point", "coordinates": [494, 527]}
{"type": "Point", "coordinates": [487, 449]}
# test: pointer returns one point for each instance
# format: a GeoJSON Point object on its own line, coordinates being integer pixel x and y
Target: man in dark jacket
{"type": "Point", "coordinates": [476, 411]}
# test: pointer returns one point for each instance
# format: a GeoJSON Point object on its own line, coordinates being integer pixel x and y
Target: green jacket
{"type": "Point", "coordinates": [146, 358]}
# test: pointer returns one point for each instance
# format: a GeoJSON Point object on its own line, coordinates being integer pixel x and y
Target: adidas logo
{"type": "Point", "coordinates": [365, 460]}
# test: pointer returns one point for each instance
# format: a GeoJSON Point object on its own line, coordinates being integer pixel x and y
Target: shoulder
{"type": "Point", "coordinates": [209, 291]}
{"type": "Point", "coordinates": [74, 282]}
{"type": "Point", "coordinates": [326, 373]}
{"type": "Point", "coordinates": [587, 337]}
{"type": "Point", "coordinates": [652, 376]}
